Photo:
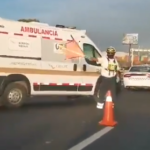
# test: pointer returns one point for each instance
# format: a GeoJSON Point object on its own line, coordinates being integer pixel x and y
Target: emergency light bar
{"type": "Point", "coordinates": [62, 26]}
{"type": "Point", "coordinates": [71, 27]}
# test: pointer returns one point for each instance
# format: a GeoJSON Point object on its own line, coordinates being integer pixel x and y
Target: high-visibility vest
{"type": "Point", "coordinates": [112, 67]}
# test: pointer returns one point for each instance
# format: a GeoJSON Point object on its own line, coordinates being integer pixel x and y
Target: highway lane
{"type": "Point", "coordinates": [54, 124]}
{"type": "Point", "coordinates": [46, 124]}
{"type": "Point", "coordinates": [133, 129]}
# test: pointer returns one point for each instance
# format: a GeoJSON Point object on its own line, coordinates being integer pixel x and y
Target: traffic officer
{"type": "Point", "coordinates": [107, 80]}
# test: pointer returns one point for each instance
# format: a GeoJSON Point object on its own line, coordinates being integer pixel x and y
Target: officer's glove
{"type": "Point", "coordinates": [93, 59]}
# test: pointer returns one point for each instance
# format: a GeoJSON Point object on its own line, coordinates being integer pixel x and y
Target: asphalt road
{"type": "Point", "coordinates": [55, 124]}
{"type": "Point", "coordinates": [133, 129]}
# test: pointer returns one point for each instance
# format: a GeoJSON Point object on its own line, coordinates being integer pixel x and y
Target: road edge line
{"type": "Point", "coordinates": [91, 139]}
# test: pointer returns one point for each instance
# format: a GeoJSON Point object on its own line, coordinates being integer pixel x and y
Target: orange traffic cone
{"type": "Point", "coordinates": [108, 118]}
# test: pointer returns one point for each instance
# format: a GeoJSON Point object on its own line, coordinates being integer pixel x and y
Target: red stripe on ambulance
{"type": "Point", "coordinates": [3, 32]}
{"type": "Point", "coordinates": [35, 36]}
{"type": "Point", "coordinates": [18, 34]}
{"type": "Point", "coordinates": [58, 39]}
{"type": "Point", "coordinates": [64, 84]}
{"type": "Point", "coordinates": [44, 37]}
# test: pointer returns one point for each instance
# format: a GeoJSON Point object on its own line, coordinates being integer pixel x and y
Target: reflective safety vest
{"type": "Point", "coordinates": [112, 67]}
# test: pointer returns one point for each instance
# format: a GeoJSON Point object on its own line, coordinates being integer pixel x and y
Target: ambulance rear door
{"type": "Point", "coordinates": [64, 76]}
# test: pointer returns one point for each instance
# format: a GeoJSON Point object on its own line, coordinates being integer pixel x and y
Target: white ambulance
{"type": "Point", "coordinates": [32, 63]}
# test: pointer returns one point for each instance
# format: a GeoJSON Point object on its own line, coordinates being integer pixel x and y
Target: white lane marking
{"type": "Point", "coordinates": [91, 139]}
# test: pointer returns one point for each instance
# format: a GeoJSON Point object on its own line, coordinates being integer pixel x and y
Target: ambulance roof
{"type": "Point", "coordinates": [40, 24]}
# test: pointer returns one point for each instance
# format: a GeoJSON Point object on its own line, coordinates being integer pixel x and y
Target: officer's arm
{"type": "Point", "coordinates": [118, 70]}
{"type": "Point", "coordinates": [94, 59]}
{"type": "Point", "coordinates": [118, 67]}
{"type": "Point", "coordinates": [97, 60]}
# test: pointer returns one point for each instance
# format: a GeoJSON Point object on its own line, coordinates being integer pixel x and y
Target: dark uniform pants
{"type": "Point", "coordinates": [103, 86]}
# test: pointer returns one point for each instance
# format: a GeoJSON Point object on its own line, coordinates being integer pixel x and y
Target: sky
{"type": "Point", "coordinates": [105, 20]}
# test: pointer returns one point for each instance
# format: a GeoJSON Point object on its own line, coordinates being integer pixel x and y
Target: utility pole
{"type": "Point", "coordinates": [129, 51]}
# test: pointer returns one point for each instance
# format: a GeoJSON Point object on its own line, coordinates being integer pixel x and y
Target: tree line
{"type": "Point", "coordinates": [28, 20]}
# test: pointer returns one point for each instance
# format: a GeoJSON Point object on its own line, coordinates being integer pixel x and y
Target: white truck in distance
{"type": "Point", "coordinates": [32, 63]}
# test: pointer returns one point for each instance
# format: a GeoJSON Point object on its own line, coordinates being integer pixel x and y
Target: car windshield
{"type": "Point", "coordinates": [140, 69]}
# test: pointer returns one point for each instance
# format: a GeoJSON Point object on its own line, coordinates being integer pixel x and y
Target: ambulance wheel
{"type": "Point", "coordinates": [14, 95]}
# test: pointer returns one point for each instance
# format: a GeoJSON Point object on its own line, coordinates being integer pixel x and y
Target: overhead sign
{"type": "Point", "coordinates": [130, 39]}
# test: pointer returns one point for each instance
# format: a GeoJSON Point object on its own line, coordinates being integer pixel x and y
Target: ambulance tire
{"type": "Point", "coordinates": [16, 91]}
